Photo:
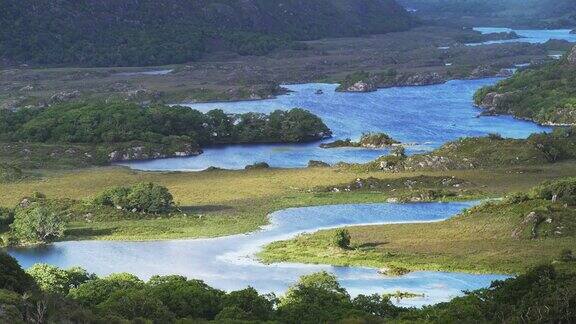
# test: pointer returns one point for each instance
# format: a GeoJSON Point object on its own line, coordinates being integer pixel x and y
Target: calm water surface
{"type": "Point", "coordinates": [228, 262]}
{"type": "Point", "coordinates": [534, 36]}
{"type": "Point", "coordinates": [425, 116]}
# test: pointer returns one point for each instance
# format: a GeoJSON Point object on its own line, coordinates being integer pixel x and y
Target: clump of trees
{"type": "Point", "coordinates": [37, 223]}
{"type": "Point", "coordinates": [159, 32]}
{"type": "Point", "coordinates": [142, 197]}
{"type": "Point", "coordinates": [74, 295]}
{"type": "Point", "coordinates": [120, 122]}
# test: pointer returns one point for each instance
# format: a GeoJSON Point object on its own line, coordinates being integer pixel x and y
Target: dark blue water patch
{"type": "Point", "coordinates": [423, 117]}
{"type": "Point", "coordinates": [228, 262]}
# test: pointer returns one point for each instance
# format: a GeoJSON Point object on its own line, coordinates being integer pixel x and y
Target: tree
{"type": "Point", "coordinates": [187, 298]}
{"type": "Point", "coordinates": [316, 298]}
{"type": "Point", "coordinates": [12, 277]}
{"type": "Point", "coordinates": [54, 280]}
{"type": "Point", "coordinates": [96, 291]}
{"type": "Point", "coordinates": [247, 304]}
{"type": "Point", "coordinates": [37, 224]}
{"type": "Point", "coordinates": [342, 238]}
{"type": "Point", "coordinates": [150, 198]}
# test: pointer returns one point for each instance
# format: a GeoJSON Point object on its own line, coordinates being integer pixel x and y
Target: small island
{"type": "Point", "coordinates": [368, 140]}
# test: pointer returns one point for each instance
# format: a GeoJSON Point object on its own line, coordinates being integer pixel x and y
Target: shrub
{"type": "Point", "coordinates": [142, 197]}
{"type": "Point", "coordinates": [567, 255]}
{"type": "Point", "coordinates": [10, 173]}
{"type": "Point", "coordinates": [563, 190]}
{"type": "Point", "coordinates": [6, 216]}
{"type": "Point", "coordinates": [37, 224]}
{"type": "Point", "coordinates": [12, 277]}
{"type": "Point", "coordinates": [342, 238]}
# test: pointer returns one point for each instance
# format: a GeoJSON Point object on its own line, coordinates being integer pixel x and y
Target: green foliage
{"type": "Point", "coordinates": [186, 298]}
{"type": "Point", "coordinates": [545, 94]}
{"type": "Point", "coordinates": [6, 217]}
{"type": "Point", "coordinates": [316, 298]}
{"type": "Point", "coordinates": [12, 277]}
{"type": "Point", "coordinates": [153, 32]}
{"type": "Point", "coordinates": [142, 197]}
{"type": "Point", "coordinates": [10, 173]}
{"type": "Point", "coordinates": [377, 140]}
{"type": "Point", "coordinates": [120, 122]}
{"type": "Point", "coordinates": [247, 304]}
{"type": "Point", "coordinates": [37, 224]}
{"type": "Point", "coordinates": [342, 238]}
{"type": "Point", "coordinates": [94, 292]}
{"type": "Point", "coordinates": [54, 280]}
{"type": "Point", "coordinates": [563, 190]}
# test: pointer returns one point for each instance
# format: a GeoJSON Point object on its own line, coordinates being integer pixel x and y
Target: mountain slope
{"type": "Point", "coordinates": [153, 32]}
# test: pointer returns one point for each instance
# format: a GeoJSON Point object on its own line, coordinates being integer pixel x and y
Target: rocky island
{"type": "Point", "coordinates": [368, 140]}
{"type": "Point", "coordinates": [96, 133]}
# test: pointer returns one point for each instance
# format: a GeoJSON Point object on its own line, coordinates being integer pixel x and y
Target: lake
{"type": "Point", "coordinates": [228, 263]}
{"type": "Point", "coordinates": [424, 117]}
{"type": "Point", "coordinates": [534, 36]}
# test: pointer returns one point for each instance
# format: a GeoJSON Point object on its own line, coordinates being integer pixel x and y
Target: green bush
{"type": "Point", "coordinates": [563, 190]}
{"type": "Point", "coordinates": [6, 216]}
{"type": "Point", "coordinates": [142, 197]}
{"type": "Point", "coordinates": [37, 224]}
{"type": "Point", "coordinates": [10, 173]}
{"type": "Point", "coordinates": [342, 238]}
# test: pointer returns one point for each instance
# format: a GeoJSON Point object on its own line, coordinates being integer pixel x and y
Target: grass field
{"type": "Point", "coordinates": [479, 240]}
{"type": "Point", "coordinates": [229, 202]}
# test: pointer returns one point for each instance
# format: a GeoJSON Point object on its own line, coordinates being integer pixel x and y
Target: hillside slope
{"type": "Point", "coordinates": [506, 13]}
{"type": "Point", "coordinates": [155, 32]}
{"type": "Point", "coordinates": [545, 94]}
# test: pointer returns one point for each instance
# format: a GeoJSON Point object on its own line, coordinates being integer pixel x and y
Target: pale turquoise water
{"type": "Point", "coordinates": [228, 263]}
{"type": "Point", "coordinates": [427, 117]}
{"type": "Point", "coordinates": [534, 36]}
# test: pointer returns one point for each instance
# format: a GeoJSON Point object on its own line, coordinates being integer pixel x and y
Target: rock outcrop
{"type": "Point", "coordinates": [361, 86]}
{"type": "Point", "coordinates": [142, 152]}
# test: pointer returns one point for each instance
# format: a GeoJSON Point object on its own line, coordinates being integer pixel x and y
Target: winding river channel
{"type": "Point", "coordinates": [228, 262]}
{"type": "Point", "coordinates": [424, 117]}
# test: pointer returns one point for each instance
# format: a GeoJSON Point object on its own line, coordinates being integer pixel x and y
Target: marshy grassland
{"type": "Point", "coordinates": [224, 202]}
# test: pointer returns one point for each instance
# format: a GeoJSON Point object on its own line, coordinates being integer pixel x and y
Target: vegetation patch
{"type": "Point", "coordinates": [544, 94]}
{"type": "Point", "coordinates": [488, 152]}
{"type": "Point", "coordinates": [109, 132]}
{"type": "Point", "coordinates": [368, 140]}
{"type": "Point", "coordinates": [509, 236]}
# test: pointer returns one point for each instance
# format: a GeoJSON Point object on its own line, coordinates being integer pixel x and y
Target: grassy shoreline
{"type": "Point", "coordinates": [479, 240]}
{"type": "Point", "coordinates": [232, 202]}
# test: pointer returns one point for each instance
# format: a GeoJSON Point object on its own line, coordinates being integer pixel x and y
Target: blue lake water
{"type": "Point", "coordinates": [425, 116]}
{"type": "Point", "coordinates": [534, 36]}
{"type": "Point", "coordinates": [228, 263]}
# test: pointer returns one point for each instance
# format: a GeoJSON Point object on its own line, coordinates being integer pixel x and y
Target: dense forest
{"type": "Point", "coordinates": [532, 13]}
{"type": "Point", "coordinates": [108, 123]}
{"type": "Point", "coordinates": [46, 293]}
{"type": "Point", "coordinates": [545, 94]}
{"type": "Point", "coordinates": [156, 32]}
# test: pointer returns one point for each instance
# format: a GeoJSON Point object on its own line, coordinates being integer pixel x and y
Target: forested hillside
{"type": "Point", "coordinates": [536, 13]}
{"type": "Point", "coordinates": [155, 32]}
{"type": "Point", "coordinates": [545, 94]}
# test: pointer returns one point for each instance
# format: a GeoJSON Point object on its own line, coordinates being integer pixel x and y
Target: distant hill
{"type": "Point", "coordinates": [513, 13]}
{"type": "Point", "coordinates": [155, 32]}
